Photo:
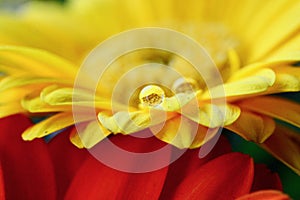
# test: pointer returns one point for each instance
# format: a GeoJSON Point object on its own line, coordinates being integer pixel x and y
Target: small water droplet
{"type": "Point", "coordinates": [152, 95]}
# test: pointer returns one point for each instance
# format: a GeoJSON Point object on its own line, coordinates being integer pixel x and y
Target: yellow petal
{"type": "Point", "coordinates": [267, 40]}
{"type": "Point", "coordinates": [290, 45]}
{"type": "Point", "coordinates": [10, 109]}
{"type": "Point", "coordinates": [58, 96]}
{"type": "Point", "coordinates": [182, 132]}
{"type": "Point", "coordinates": [234, 61]}
{"type": "Point", "coordinates": [37, 62]}
{"type": "Point", "coordinates": [20, 81]}
{"type": "Point", "coordinates": [177, 101]}
{"type": "Point", "coordinates": [279, 108]}
{"type": "Point", "coordinates": [130, 122]}
{"type": "Point", "coordinates": [253, 127]}
{"type": "Point", "coordinates": [10, 102]}
{"type": "Point", "coordinates": [213, 116]}
{"type": "Point", "coordinates": [52, 124]}
{"type": "Point", "coordinates": [273, 63]}
{"type": "Point", "coordinates": [125, 122]}
{"type": "Point", "coordinates": [15, 94]}
{"type": "Point", "coordinates": [8, 70]}
{"type": "Point", "coordinates": [88, 135]}
{"type": "Point", "coordinates": [287, 80]}
{"type": "Point", "coordinates": [284, 144]}
{"type": "Point", "coordinates": [34, 104]}
{"type": "Point", "coordinates": [254, 84]}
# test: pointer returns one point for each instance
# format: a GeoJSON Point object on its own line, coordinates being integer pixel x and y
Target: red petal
{"type": "Point", "coordinates": [27, 168]}
{"type": "Point", "coordinates": [265, 179]}
{"type": "Point", "coordinates": [66, 159]}
{"type": "Point", "coordinates": [188, 164]}
{"type": "Point", "coordinates": [265, 195]}
{"type": "Point", "coordinates": [2, 192]}
{"type": "Point", "coordinates": [226, 177]}
{"type": "Point", "coordinates": [95, 180]}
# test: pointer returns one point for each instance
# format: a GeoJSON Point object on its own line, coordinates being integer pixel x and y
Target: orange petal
{"type": "Point", "coordinates": [265, 195]}
{"type": "Point", "coordinates": [284, 144]}
{"type": "Point", "coordinates": [253, 127]}
{"type": "Point", "coordinates": [279, 108]}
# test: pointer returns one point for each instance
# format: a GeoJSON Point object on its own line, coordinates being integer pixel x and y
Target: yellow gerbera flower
{"type": "Point", "coordinates": [254, 44]}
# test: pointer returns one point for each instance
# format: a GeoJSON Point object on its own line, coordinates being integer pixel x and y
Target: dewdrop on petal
{"type": "Point", "coordinates": [151, 95]}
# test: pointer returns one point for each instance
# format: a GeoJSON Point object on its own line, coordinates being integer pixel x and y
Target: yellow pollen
{"type": "Point", "coordinates": [151, 95]}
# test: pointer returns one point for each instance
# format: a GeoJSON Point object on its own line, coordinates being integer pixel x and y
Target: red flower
{"type": "Point", "coordinates": [36, 170]}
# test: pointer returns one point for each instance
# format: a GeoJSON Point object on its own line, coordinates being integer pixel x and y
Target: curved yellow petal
{"type": "Point", "coordinates": [20, 81]}
{"type": "Point", "coordinates": [284, 144]}
{"type": "Point", "coordinates": [10, 102]}
{"type": "Point", "coordinates": [177, 101]}
{"type": "Point", "coordinates": [254, 84]}
{"type": "Point", "coordinates": [253, 127]}
{"type": "Point", "coordinates": [287, 80]}
{"type": "Point", "coordinates": [34, 104]}
{"type": "Point", "coordinates": [10, 109]}
{"type": "Point", "coordinates": [88, 135]}
{"type": "Point", "coordinates": [182, 132]}
{"type": "Point", "coordinates": [234, 61]}
{"type": "Point", "coordinates": [279, 108]}
{"type": "Point", "coordinates": [266, 40]}
{"type": "Point", "coordinates": [273, 63]}
{"type": "Point", "coordinates": [14, 94]}
{"type": "Point", "coordinates": [56, 95]}
{"type": "Point", "coordinates": [213, 116]}
{"type": "Point", "coordinates": [130, 122]}
{"type": "Point", "coordinates": [125, 122]}
{"type": "Point", "coordinates": [37, 61]}
{"type": "Point", "coordinates": [52, 124]}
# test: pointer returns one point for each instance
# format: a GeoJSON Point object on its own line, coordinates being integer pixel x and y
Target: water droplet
{"type": "Point", "coordinates": [151, 95]}
{"type": "Point", "coordinates": [184, 85]}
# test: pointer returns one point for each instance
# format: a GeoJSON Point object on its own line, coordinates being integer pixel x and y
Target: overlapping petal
{"type": "Point", "coordinates": [27, 168]}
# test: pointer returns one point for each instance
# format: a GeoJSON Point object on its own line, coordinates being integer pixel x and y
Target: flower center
{"type": "Point", "coordinates": [151, 95]}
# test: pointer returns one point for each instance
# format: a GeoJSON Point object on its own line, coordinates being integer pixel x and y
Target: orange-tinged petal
{"type": "Point", "coordinates": [284, 144]}
{"type": "Point", "coordinates": [276, 107]}
{"type": "Point", "coordinates": [211, 181]}
{"type": "Point", "coordinates": [265, 195]}
{"type": "Point", "coordinates": [253, 127]}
